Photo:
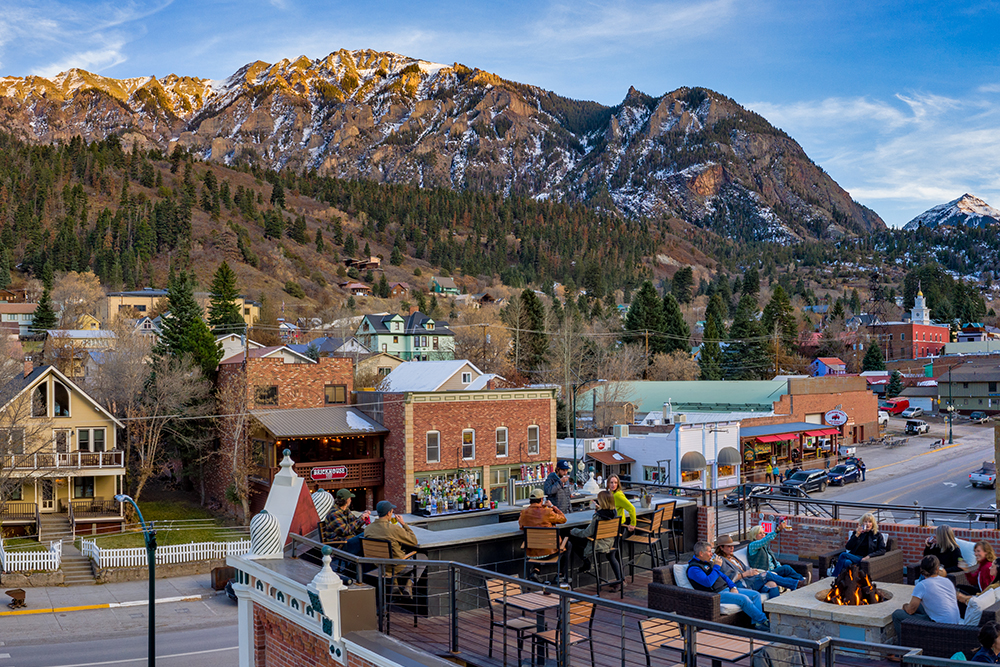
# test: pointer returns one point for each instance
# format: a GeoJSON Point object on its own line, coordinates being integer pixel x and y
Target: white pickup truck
{"type": "Point", "coordinates": [985, 476]}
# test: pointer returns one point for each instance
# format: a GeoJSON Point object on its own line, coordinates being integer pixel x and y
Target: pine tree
{"type": "Point", "coordinates": [838, 310]}
{"type": "Point", "coordinates": [350, 246]}
{"type": "Point", "coordinates": [527, 320]}
{"type": "Point", "coordinates": [751, 283]}
{"type": "Point", "coordinates": [855, 301]}
{"type": "Point", "coordinates": [45, 315]}
{"type": "Point", "coordinates": [779, 313]}
{"type": "Point", "coordinates": [873, 360]}
{"type": "Point", "coordinates": [645, 320]}
{"type": "Point", "coordinates": [223, 312]}
{"type": "Point", "coordinates": [396, 258]}
{"type": "Point", "coordinates": [719, 310]}
{"type": "Point", "coordinates": [278, 195]}
{"type": "Point", "coordinates": [745, 357]}
{"type": "Point", "coordinates": [184, 331]}
{"type": "Point", "coordinates": [710, 360]}
{"type": "Point", "coordinates": [367, 252]}
{"type": "Point", "coordinates": [4, 267]}
{"type": "Point", "coordinates": [895, 387]}
{"type": "Point", "coordinates": [320, 246]}
{"type": "Point", "coordinates": [682, 284]}
{"type": "Point", "coordinates": [678, 334]}
{"type": "Point", "coordinates": [383, 287]}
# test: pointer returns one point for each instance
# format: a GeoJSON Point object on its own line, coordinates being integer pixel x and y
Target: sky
{"type": "Point", "coordinates": [899, 101]}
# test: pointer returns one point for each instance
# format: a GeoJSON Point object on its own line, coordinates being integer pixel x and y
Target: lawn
{"type": "Point", "coordinates": [24, 544]}
{"type": "Point", "coordinates": [176, 522]}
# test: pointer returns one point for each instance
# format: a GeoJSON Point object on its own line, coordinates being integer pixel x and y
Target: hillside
{"type": "Point", "coordinates": [692, 154]}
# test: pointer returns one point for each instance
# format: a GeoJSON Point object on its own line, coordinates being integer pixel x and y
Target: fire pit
{"type": "Point", "coordinates": [807, 612]}
{"type": "Point", "coordinates": [853, 588]}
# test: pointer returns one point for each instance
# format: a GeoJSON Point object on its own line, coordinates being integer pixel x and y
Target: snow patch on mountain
{"type": "Point", "coordinates": [966, 210]}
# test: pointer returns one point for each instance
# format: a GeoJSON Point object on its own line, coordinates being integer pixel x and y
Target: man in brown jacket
{"type": "Point", "coordinates": [541, 513]}
{"type": "Point", "coordinates": [390, 527]}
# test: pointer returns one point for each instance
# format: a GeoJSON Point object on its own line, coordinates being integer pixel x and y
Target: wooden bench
{"type": "Point", "coordinates": [658, 633]}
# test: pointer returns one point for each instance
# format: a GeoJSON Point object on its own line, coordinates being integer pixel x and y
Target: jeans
{"type": "Point", "coordinates": [759, 583]}
{"type": "Point", "coordinates": [748, 601]}
{"type": "Point", "coordinates": [788, 572]}
{"type": "Point", "coordinates": [843, 560]}
{"type": "Point", "coordinates": [899, 615]}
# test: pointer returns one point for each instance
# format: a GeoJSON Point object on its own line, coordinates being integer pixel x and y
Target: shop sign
{"type": "Point", "coordinates": [600, 445]}
{"type": "Point", "coordinates": [836, 417]}
{"type": "Point", "coordinates": [329, 473]}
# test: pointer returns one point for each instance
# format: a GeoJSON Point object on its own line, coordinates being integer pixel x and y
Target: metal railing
{"type": "Point", "coordinates": [13, 510]}
{"type": "Point", "coordinates": [62, 460]}
{"type": "Point", "coordinates": [451, 616]}
{"type": "Point", "coordinates": [845, 510]}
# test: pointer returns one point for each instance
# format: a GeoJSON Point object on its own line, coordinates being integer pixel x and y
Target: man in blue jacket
{"type": "Point", "coordinates": [705, 575]}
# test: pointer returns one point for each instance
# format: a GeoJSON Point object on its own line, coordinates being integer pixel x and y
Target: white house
{"type": "Point", "coordinates": [702, 455]}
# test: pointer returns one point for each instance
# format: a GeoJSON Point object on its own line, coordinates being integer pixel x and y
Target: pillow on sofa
{"type": "Point", "coordinates": [743, 554]}
{"type": "Point", "coordinates": [727, 609]}
{"type": "Point", "coordinates": [974, 610]}
{"type": "Point", "coordinates": [681, 576]}
{"type": "Point", "coordinates": [968, 551]}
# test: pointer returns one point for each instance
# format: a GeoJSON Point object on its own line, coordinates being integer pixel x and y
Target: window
{"type": "Point", "coordinates": [140, 309]}
{"type": "Point", "coordinates": [466, 378]}
{"type": "Point", "coordinates": [90, 440]}
{"type": "Point", "coordinates": [385, 347]}
{"type": "Point", "coordinates": [12, 490]}
{"type": "Point", "coordinates": [60, 404]}
{"type": "Point", "coordinates": [83, 487]}
{"type": "Point", "coordinates": [993, 387]}
{"type": "Point", "coordinates": [727, 471]}
{"type": "Point", "coordinates": [965, 385]}
{"type": "Point", "coordinates": [433, 447]}
{"type": "Point", "coordinates": [266, 395]}
{"type": "Point", "coordinates": [395, 340]}
{"type": "Point", "coordinates": [468, 444]}
{"type": "Point", "coordinates": [423, 341]}
{"type": "Point", "coordinates": [383, 371]}
{"type": "Point", "coordinates": [40, 401]}
{"type": "Point", "coordinates": [336, 393]}
{"type": "Point", "coordinates": [395, 326]}
{"type": "Point", "coordinates": [246, 311]}
{"type": "Point", "coordinates": [653, 473]}
{"type": "Point", "coordinates": [691, 476]}
{"type": "Point", "coordinates": [532, 440]}
{"type": "Point", "coordinates": [499, 475]}
{"type": "Point", "coordinates": [501, 442]}
{"type": "Point", "coordinates": [902, 336]}
{"type": "Point", "coordinates": [61, 441]}
{"type": "Point", "coordinates": [435, 342]}
{"type": "Point", "coordinates": [429, 326]}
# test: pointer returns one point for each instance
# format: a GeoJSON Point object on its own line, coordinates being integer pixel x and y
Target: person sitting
{"type": "Point", "coordinates": [864, 544]}
{"type": "Point", "coordinates": [622, 504]}
{"type": "Point", "coordinates": [588, 547]}
{"type": "Point", "coordinates": [994, 573]}
{"type": "Point", "coordinates": [944, 545]}
{"type": "Point", "coordinates": [760, 556]}
{"type": "Point", "coordinates": [557, 487]}
{"type": "Point", "coordinates": [391, 527]}
{"type": "Point", "coordinates": [762, 581]}
{"type": "Point", "coordinates": [340, 525]}
{"type": "Point", "coordinates": [978, 578]}
{"type": "Point", "coordinates": [705, 574]}
{"type": "Point", "coordinates": [989, 640]}
{"type": "Point", "coordinates": [541, 513]}
{"type": "Point", "coordinates": [933, 598]}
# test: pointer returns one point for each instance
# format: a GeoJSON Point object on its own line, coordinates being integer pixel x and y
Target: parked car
{"type": "Point", "coordinates": [883, 418]}
{"type": "Point", "coordinates": [894, 406]}
{"type": "Point", "coordinates": [806, 480]}
{"type": "Point", "coordinates": [910, 413]}
{"type": "Point", "coordinates": [979, 417]}
{"type": "Point", "coordinates": [917, 426]}
{"type": "Point", "coordinates": [985, 476]}
{"type": "Point", "coordinates": [844, 473]}
{"type": "Point", "coordinates": [738, 496]}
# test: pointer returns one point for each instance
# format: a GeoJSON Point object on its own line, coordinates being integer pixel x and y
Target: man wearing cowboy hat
{"type": "Point", "coordinates": [747, 577]}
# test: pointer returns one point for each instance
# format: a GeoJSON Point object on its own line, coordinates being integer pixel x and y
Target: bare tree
{"type": "Point", "coordinates": [483, 339]}
{"type": "Point", "coordinates": [76, 294]}
{"type": "Point", "coordinates": [232, 399]}
{"type": "Point", "coordinates": [676, 366]}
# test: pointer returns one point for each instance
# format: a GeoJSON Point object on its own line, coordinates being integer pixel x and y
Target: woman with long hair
{"type": "Point", "coordinates": [944, 545]}
{"type": "Point", "coordinates": [865, 543]}
{"type": "Point", "coordinates": [622, 504]}
{"type": "Point", "coordinates": [978, 578]}
{"type": "Point", "coordinates": [580, 537]}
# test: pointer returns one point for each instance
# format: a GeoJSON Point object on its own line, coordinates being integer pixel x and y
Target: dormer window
{"type": "Point", "coordinates": [429, 326]}
{"type": "Point", "coordinates": [466, 378]}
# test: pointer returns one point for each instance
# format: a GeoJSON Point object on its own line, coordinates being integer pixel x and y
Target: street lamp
{"type": "Point", "coordinates": [150, 536]}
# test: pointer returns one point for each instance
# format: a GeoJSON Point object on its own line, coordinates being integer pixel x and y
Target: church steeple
{"type": "Point", "coordinates": [920, 314]}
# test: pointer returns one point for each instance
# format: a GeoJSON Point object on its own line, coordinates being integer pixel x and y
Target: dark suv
{"type": "Point", "coordinates": [807, 480]}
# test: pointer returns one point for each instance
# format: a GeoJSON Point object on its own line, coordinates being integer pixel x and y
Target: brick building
{"type": "Point", "coordinates": [913, 339]}
{"type": "Point", "coordinates": [488, 433]}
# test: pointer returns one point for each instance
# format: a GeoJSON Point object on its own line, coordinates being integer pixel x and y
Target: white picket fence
{"type": "Point", "coordinates": [18, 560]}
{"type": "Point", "coordinates": [174, 553]}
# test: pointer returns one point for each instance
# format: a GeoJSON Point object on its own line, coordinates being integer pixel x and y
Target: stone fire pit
{"type": "Point", "coordinates": [802, 613]}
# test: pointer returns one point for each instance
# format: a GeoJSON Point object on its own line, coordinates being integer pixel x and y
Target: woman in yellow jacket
{"type": "Point", "coordinates": [622, 503]}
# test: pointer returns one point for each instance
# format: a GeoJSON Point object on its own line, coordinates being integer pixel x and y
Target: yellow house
{"type": "Point", "coordinates": [60, 457]}
{"type": "Point", "coordinates": [89, 322]}
{"type": "Point", "coordinates": [139, 303]}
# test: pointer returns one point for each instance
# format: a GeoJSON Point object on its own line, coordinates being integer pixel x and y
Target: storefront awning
{"type": "Point", "coordinates": [693, 461]}
{"type": "Point", "coordinates": [777, 438]}
{"type": "Point", "coordinates": [611, 458]}
{"type": "Point", "coordinates": [317, 422]}
{"type": "Point", "coordinates": [728, 457]}
{"type": "Point", "coordinates": [824, 431]}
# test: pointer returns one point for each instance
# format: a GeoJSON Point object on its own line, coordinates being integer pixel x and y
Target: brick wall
{"type": "Point", "coordinates": [394, 448]}
{"type": "Point", "coordinates": [820, 395]}
{"type": "Point", "coordinates": [279, 642]}
{"type": "Point", "coordinates": [707, 516]}
{"type": "Point", "coordinates": [811, 536]}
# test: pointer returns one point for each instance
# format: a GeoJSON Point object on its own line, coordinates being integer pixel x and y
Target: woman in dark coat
{"type": "Point", "coordinates": [866, 542]}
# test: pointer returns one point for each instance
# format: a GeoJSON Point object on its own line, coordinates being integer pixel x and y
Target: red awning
{"type": "Point", "coordinates": [777, 438]}
{"type": "Point", "coordinates": [824, 431]}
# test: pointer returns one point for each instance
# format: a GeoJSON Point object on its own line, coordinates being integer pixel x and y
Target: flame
{"type": "Point", "coordinates": [864, 586]}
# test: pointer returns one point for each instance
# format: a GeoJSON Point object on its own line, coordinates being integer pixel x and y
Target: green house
{"type": "Point", "coordinates": [414, 337]}
{"type": "Point", "coordinates": [441, 285]}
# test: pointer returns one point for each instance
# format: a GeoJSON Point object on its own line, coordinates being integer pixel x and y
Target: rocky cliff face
{"type": "Point", "coordinates": [692, 153]}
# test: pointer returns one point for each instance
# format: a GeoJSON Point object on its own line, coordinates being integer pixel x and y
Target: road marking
{"type": "Point", "coordinates": [4, 655]}
{"type": "Point", "coordinates": [106, 605]}
{"type": "Point", "coordinates": [158, 657]}
{"type": "Point", "coordinates": [949, 483]}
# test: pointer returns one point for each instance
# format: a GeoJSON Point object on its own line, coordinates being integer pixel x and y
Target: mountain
{"type": "Point", "coordinates": [966, 210]}
{"type": "Point", "coordinates": [692, 154]}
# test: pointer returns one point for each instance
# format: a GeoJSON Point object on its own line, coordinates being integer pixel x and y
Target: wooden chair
{"type": "Point", "coordinates": [656, 632]}
{"type": "Point", "coordinates": [544, 538]}
{"type": "Point", "coordinates": [607, 529]}
{"type": "Point", "coordinates": [378, 548]}
{"type": "Point", "coordinates": [647, 534]}
{"type": "Point", "coordinates": [579, 613]}
{"type": "Point", "coordinates": [498, 590]}
{"type": "Point", "coordinates": [669, 516]}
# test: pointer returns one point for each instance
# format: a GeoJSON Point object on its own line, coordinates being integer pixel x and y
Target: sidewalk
{"type": "Point", "coordinates": [73, 613]}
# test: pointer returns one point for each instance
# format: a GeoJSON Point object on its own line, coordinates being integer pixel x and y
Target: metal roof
{"type": "Point", "coordinates": [710, 396]}
{"type": "Point", "coordinates": [317, 422]}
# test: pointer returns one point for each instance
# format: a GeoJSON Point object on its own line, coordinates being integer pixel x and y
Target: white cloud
{"type": "Point", "coordinates": [989, 88]}
{"type": "Point", "coordinates": [625, 20]}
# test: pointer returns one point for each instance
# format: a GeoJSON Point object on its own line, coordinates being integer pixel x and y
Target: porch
{"type": "Point", "coordinates": [63, 460]}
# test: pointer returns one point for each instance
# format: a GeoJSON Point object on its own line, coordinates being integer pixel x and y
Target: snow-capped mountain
{"type": "Point", "coordinates": [692, 153]}
{"type": "Point", "coordinates": [966, 210]}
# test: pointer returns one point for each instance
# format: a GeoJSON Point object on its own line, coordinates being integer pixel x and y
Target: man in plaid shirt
{"type": "Point", "coordinates": [341, 524]}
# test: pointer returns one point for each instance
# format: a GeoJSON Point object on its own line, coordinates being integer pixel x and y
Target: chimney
{"type": "Point", "coordinates": [413, 309]}
{"type": "Point", "coordinates": [28, 366]}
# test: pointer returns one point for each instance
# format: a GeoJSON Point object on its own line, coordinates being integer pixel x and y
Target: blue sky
{"type": "Point", "coordinates": [898, 101]}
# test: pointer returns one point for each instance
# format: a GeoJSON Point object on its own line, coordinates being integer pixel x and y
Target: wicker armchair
{"type": "Point", "coordinates": [943, 640]}
{"type": "Point", "coordinates": [889, 567]}
{"type": "Point", "coordinates": [665, 595]}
